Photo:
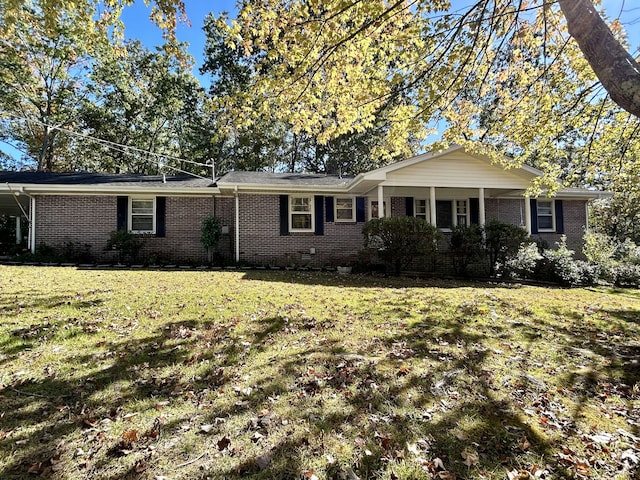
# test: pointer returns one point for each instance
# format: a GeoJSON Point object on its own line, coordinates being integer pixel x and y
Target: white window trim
{"type": "Point", "coordinates": [427, 209]}
{"type": "Point", "coordinates": [553, 216]}
{"type": "Point", "coordinates": [335, 210]}
{"type": "Point", "coordinates": [387, 207]}
{"type": "Point", "coordinates": [130, 216]}
{"type": "Point", "coordinates": [311, 213]}
{"type": "Point", "coordinates": [454, 212]}
{"type": "Point", "coordinates": [467, 213]}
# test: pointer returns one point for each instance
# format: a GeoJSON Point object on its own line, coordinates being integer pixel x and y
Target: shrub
{"type": "Point", "coordinates": [400, 240]}
{"type": "Point", "coordinates": [502, 240]}
{"type": "Point", "coordinates": [127, 245]}
{"type": "Point", "coordinates": [626, 275]}
{"type": "Point", "coordinates": [466, 246]}
{"type": "Point", "coordinates": [76, 252]}
{"type": "Point", "coordinates": [559, 266]}
{"type": "Point", "coordinates": [628, 252]}
{"type": "Point", "coordinates": [521, 265]}
{"type": "Point", "coordinates": [210, 234]}
{"type": "Point", "coordinates": [600, 251]}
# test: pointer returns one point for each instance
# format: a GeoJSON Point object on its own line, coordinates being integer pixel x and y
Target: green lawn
{"type": "Point", "coordinates": [193, 374]}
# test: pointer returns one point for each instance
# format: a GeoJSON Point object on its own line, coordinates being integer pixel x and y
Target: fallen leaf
{"type": "Point", "coordinates": [141, 466]}
{"type": "Point", "coordinates": [351, 475]}
{"type": "Point", "coordinates": [263, 461]}
{"type": "Point", "coordinates": [470, 457]}
{"type": "Point", "coordinates": [206, 428]}
{"type": "Point", "coordinates": [130, 436]}
{"type": "Point", "coordinates": [223, 443]}
{"type": "Point", "coordinates": [413, 448]}
{"type": "Point", "coordinates": [524, 443]}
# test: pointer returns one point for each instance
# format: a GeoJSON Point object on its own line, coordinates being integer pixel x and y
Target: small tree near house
{"type": "Point", "coordinates": [210, 234]}
{"type": "Point", "coordinates": [400, 240]}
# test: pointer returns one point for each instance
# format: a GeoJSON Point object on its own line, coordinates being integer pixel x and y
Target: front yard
{"type": "Point", "coordinates": [111, 374]}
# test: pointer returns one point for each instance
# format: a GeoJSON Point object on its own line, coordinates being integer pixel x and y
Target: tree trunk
{"type": "Point", "coordinates": [616, 69]}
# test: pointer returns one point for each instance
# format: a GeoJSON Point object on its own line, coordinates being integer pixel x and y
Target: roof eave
{"type": "Point", "coordinates": [34, 188]}
{"type": "Point", "coordinates": [261, 187]}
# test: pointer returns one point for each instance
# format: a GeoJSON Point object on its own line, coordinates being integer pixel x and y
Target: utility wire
{"type": "Point", "coordinates": [126, 149]}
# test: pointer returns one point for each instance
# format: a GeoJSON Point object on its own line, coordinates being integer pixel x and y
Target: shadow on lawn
{"type": "Point", "coordinates": [332, 279]}
{"type": "Point", "coordinates": [382, 398]}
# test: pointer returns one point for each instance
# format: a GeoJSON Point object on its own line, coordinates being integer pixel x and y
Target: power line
{"type": "Point", "coordinates": [122, 148]}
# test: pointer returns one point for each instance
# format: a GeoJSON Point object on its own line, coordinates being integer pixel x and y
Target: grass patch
{"type": "Point", "coordinates": [159, 374]}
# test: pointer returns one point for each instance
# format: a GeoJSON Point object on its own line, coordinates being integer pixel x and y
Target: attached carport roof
{"type": "Point", "coordinates": [52, 183]}
{"type": "Point", "coordinates": [9, 204]}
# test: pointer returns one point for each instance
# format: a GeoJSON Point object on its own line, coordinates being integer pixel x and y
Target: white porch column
{"type": "Point", "coordinates": [481, 216]}
{"type": "Point", "coordinates": [527, 213]}
{"type": "Point", "coordinates": [237, 232]}
{"type": "Point", "coordinates": [432, 205]}
{"type": "Point", "coordinates": [380, 201]}
{"type": "Point", "coordinates": [18, 230]}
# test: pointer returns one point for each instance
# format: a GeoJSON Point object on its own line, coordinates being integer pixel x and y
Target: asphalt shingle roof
{"type": "Point", "coordinates": [299, 179]}
{"type": "Point", "coordinates": [49, 178]}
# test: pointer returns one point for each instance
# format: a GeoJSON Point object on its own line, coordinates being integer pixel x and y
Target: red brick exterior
{"type": "Point", "coordinates": [89, 219]}
{"type": "Point", "coordinates": [262, 244]}
{"type": "Point", "coordinates": [575, 220]}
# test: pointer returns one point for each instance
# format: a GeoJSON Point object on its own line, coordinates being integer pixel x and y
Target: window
{"type": "Point", "coordinates": [450, 213]}
{"type": "Point", "coordinates": [461, 212]}
{"type": "Point", "coordinates": [345, 209]}
{"type": "Point", "coordinates": [142, 218]}
{"type": "Point", "coordinates": [420, 209]}
{"type": "Point", "coordinates": [545, 215]}
{"type": "Point", "coordinates": [301, 214]}
{"type": "Point", "coordinates": [373, 211]}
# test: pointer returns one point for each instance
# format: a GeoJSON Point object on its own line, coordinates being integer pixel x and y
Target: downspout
{"type": "Point", "coordinates": [32, 224]}
{"type": "Point", "coordinates": [237, 232]}
{"type": "Point", "coordinates": [586, 217]}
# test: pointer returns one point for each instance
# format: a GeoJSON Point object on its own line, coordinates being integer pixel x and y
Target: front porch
{"type": "Point", "coordinates": [447, 208]}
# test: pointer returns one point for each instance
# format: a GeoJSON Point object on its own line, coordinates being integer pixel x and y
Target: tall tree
{"type": "Point", "coordinates": [147, 109]}
{"type": "Point", "coordinates": [258, 131]}
{"type": "Point", "coordinates": [43, 66]}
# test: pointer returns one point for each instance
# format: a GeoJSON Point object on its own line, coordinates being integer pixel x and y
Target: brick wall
{"type": "Point", "coordinates": [575, 221]}
{"type": "Point", "coordinates": [262, 244]}
{"type": "Point", "coordinates": [90, 219]}
{"type": "Point", "coordinates": [69, 218]}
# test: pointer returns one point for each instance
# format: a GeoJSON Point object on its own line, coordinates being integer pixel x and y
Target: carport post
{"type": "Point", "coordinates": [18, 230]}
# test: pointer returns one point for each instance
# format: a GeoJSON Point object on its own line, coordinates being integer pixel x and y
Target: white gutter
{"type": "Point", "coordinates": [237, 232]}
{"type": "Point", "coordinates": [101, 190]}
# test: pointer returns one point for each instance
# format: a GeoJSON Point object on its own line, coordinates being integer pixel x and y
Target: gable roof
{"type": "Point", "coordinates": [451, 168]}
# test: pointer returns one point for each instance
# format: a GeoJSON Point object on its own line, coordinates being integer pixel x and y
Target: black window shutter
{"type": "Point", "coordinates": [318, 206]}
{"type": "Point", "coordinates": [122, 212]}
{"type": "Point", "coordinates": [559, 217]}
{"type": "Point", "coordinates": [284, 215]}
{"type": "Point", "coordinates": [534, 215]}
{"type": "Point", "coordinates": [360, 205]}
{"type": "Point", "coordinates": [161, 214]}
{"type": "Point", "coordinates": [474, 210]}
{"type": "Point", "coordinates": [328, 206]}
{"type": "Point", "coordinates": [408, 206]}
